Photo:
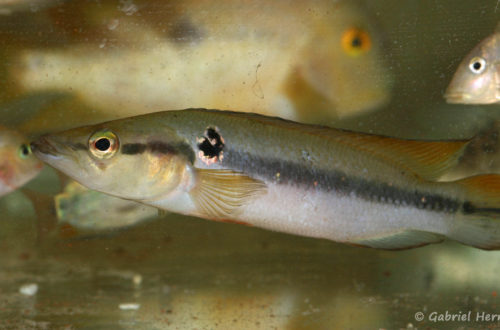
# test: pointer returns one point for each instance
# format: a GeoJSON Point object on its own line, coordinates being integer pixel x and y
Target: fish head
{"type": "Point", "coordinates": [125, 158]}
{"type": "Point", "coordinates": [477, 79]}
{"type": "Point", "coordinates": [344, 62]}
{"type": "Point", "coordinates": [17, 163]}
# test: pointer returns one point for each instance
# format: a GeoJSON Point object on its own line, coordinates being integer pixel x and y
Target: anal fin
{"type": "Point", "coordinates": [406, 239]}
{"type": "Point", "coordinates": [219, 193]}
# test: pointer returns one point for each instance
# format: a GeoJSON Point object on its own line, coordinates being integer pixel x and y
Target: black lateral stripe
{"type": "Point", "coordinates": [469, 208]}
{"type": "Point", "coordinates": [133, 148]}
{"type": "Point", "coordinates": [159, 147]}
{"type": "Point", "coordinates": [307, 177]}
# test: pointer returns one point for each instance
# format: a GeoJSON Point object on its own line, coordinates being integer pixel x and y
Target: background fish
{"type": "Point", "coordinates": [17, 163]}
{"type": "Point", "coordinates": [313, 61]}
{"type": "Point", "coordinates": [91, 210]}
{"type": "Point", "coordinates": [306, 180]}
{"type": "Point", "coordinates": [481, 156]}
{"type": "Point", "coordinates": [477, 79]}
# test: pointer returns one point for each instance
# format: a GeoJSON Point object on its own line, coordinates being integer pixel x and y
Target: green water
{"type": "Point", "coordinates": [182, 272]}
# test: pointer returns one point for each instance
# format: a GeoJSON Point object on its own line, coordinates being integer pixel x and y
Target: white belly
{"type": "Point", "coordinates": [319, 214]}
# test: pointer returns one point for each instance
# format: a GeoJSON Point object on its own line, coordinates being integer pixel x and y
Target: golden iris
{"type": "Point", "coordinates": [356, 41]}
{"type": "Point", "coordinates": [103, 144]}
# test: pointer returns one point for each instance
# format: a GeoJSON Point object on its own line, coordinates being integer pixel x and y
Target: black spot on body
{"type": "Point", "coordinates": [212, 144]}
{"type": "Point", "coordinates": [208, 149]}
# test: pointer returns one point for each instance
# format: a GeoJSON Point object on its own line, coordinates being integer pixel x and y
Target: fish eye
{"type": "Point", "coordinates": [103, 144]}
{"type": "Point", "coordinates": [477, 65]}
{"type": "Point", "coordinates": [356, 41]}
{"type": "Point", "coordinates": [24, 151]}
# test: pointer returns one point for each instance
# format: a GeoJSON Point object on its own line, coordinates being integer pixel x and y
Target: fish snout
{"type": "Point", "coordinates": [44, 146]}
{"type": "Point", "coordinates": [453, 94]}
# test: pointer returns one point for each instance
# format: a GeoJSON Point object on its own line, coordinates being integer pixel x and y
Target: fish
{"type": "Point", "coordinates": [18, 165]}
{"type": "Point", "coordinates": [307, 180]}
{"type": "Point", "coordinates": [313, 62]}
{"type": "Point", "coordinates": [91, 210]}
{"type": "Point", "coordinates": [477, 79]}
{"type": "Point", "coordinates": [9, 7]}
{"type": "Point", "coordinates": [481, 156]}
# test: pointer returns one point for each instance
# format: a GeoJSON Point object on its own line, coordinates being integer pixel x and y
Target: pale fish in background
{"type": "Point", "coordinates": [91, 210]}
{"type": "Point", "coordinates": [17, 164]}
{"type": "Point", "coordinates": [307, 180]}
{"type": "Point", "coordinates": [477, 79]}
{"type": "Point", "coordinates": [8, 7]}
{"type": "Point", "coordinates": [312, 61]}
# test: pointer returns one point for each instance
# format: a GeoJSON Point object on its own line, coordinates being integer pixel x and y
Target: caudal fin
{"type": "Point", "coordinates": [479, 223]}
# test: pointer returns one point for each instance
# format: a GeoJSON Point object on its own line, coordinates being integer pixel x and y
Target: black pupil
{"type": "Point", "coordinates": [25, 150]}
{"type": "Point", "coordinates": [476, 66]}
{"type": "Point", "coordinates": [102, 144]}
{"type": "Point", "coordinates": [356, 42]}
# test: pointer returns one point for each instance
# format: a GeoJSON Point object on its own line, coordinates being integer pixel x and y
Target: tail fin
{"type": "Point", "coordinates": [479, 225]}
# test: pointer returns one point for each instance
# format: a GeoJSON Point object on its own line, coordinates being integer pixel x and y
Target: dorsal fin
{"type": "Point", "coordinates": [428, 159]}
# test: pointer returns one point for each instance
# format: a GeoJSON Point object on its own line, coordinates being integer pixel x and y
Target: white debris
{"type": "Point", "coordinates": [129, 306]}
{"type": "Point", "coordinates": [29, 289]}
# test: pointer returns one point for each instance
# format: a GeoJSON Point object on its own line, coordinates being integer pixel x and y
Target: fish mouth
{"type": "Point", "coordinates": [460, 97]}
{"type": "Point", "coordinates": [465, 98]}
{"type": "Point", "coordinates": [457, 97]}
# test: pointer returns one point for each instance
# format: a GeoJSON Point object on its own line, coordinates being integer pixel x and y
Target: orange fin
{"type": "Point", "coordinates": [479, 223]}
{"type": "Point", "coordinates": [220, 192]}
{"type": "Point", "coordinates": [483, 192]}
{"type": "Point", "coordinates": [428, 159]}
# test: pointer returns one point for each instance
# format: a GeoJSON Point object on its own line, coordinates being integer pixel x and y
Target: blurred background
{"type": "Point", "coordinates": [69, 258]}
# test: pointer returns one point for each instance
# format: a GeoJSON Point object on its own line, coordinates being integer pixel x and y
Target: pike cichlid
{"type": "Point", "coordinates": [17, 163]}
{"type": "Point", "coordinates": [267, 172]}
{"type": "Point", "coordinates": [477, 79]}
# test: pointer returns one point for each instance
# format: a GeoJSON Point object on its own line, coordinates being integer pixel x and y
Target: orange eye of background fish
{"type": "Point", "coordinates": [356, 41]}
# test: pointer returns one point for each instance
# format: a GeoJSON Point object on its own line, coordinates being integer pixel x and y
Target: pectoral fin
{"type": "Point", "coordinates": [219, 193]}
